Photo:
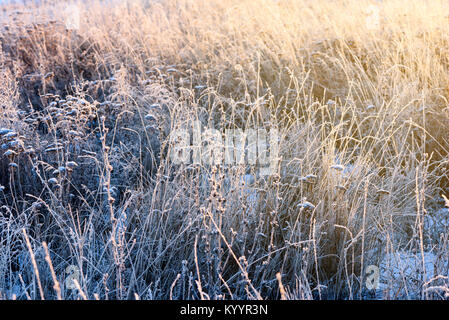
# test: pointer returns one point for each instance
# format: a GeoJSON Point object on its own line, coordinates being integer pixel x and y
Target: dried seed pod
{"type": "Point", "coordinates": [13, 165]}
{"type": "Point", "coordinates": [71, 164]}
{"type": "Point", "coordinates": [10, 153]}
{"type": "Point", "coordinates": [306, 205]}
{"type": "Point", "coordinates": [150, 117]}
{"type": "Point", "coordinates": [338, 167]}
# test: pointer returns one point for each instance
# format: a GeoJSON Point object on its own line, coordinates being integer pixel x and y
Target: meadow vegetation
{"type": "Point", "coordinates": [88, 190]}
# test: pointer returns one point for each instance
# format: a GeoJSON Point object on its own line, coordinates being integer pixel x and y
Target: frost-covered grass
{"type": "Point", "coordinates": [85, 122]}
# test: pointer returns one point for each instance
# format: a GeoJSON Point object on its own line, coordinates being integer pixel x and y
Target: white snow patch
{"type": "Point", "coordinates": [403, 275]}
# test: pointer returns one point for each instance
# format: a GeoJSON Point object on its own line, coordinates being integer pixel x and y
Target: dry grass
{"type": "Point", "coordinates": [85, 179]}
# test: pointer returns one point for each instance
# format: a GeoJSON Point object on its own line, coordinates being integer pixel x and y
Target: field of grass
{"type": "Point", "coordinates": [92, 205]}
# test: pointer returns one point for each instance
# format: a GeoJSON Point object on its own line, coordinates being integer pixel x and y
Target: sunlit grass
{"type": "Point", "coordinates": [362, 113]}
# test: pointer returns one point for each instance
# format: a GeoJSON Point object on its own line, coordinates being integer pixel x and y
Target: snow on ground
{"type": "Point", "coordinates": [416, 275]}
{"type": "Point", "coordinates": [404, 274]}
